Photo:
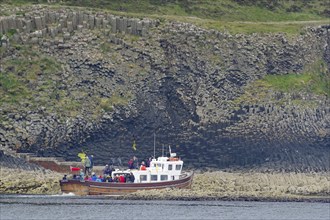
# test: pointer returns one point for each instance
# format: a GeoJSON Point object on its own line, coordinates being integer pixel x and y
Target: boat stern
{"type": "Point", "coordinates": [74, 186]}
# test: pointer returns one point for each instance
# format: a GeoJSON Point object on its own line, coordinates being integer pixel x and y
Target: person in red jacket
{"type": "Point", "coordinates": [122, 179]}
{"type": "Point", "coordinates": [143, 166]}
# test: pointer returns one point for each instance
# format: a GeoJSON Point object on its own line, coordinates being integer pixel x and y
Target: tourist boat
{"type": "Point", "coordinates": [165, 172]}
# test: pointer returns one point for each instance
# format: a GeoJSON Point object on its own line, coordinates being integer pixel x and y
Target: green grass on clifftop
{"type": "Point", "coordinates": [229, 10]}
{"type": "Point", "coordinates": [236, 16]}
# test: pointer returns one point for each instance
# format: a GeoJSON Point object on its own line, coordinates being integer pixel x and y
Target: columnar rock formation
{"type": "Point", "coordinates": [201, 91]}
{"type": "Point", "coordinates": [36, 25]}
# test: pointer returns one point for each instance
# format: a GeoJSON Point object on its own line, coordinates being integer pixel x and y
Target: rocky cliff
{"type": "Point", "coordinates": [74, 79]}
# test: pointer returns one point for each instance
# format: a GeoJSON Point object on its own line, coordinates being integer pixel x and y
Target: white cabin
{"type": "Point", "coordinates": [162, 169]}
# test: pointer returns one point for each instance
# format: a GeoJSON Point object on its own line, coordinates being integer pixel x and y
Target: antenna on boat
{"type": "Point", "coordinates": [154, 145]}
{"type": "Point", "coordinates": [163, 150]}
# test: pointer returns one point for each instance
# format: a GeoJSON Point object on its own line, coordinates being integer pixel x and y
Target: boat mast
{"type": "Point", "coordinates": [154, 145]}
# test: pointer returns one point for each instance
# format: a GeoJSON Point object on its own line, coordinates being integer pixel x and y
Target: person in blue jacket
{"type": "Point", "coordinates": [94, 177]}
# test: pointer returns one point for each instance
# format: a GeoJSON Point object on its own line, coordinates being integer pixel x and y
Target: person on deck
{"type": "Point", "coordinates": [135, 162]}
{"type": "Point", "coordinates": [148, 160]}
{"type": "Point", "coordinates": [106, 170]}
{"type": "Point", "coordinates": [87, 166]}
{"type": "Point", "coordinates": [143, 166]}
{"type": "Point", "coordinates": [82, 174]}
{"type": "Point", "coordinates": [99, 179]}
{"type": "Point", "coordinates": [109, 179]}
{"type": "Point", "coordinates": [127, 177]}
{"type": "Point", "coordinates": [131, 178]}
{"type": "Point", "coordinates": [122, 179]}
{"type": "Point", "coordinates": [94, 177]}
{"type": "Point", "coordinates": [130, 164]}
{"type": "Point", "coordinates": [116, 179]}
{"type": "Point", "coordinates": [91, 158]}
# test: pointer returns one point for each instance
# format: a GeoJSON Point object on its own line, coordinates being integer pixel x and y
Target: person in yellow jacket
{"type": "Point", "coordinates": [82, 156]}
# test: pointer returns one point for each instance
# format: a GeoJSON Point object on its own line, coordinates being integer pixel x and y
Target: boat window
{"type": "Point", "coordinates": [143, 177]}
{"type": "Point", "coordinates": [163, 177]}
{"type": "Point", "coordinates": [178, 167]}
{"type": "Point", "coordinates": [170, 167]}
{"type": "Point", "coordinates": [153, 177]}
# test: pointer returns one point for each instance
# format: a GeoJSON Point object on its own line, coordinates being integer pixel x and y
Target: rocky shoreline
{"type": "Point", "coordinates": [19, 181]}
{"type": "Point", "coordinates": [216, 185]}
{"type": "Point", "coordinates": [93, 80]}
{"type": "Point", "coordinates": [248, 186]}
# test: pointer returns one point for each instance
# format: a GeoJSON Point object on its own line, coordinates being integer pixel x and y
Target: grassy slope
{"type": "Point", "coordinates": [315, 79]}
{"type": "Point", "coordinates": [29, 72]}
{"type": "Point", "coordinates": [236, 16]}
{"type": "Point", "coordinates": [242, 17]}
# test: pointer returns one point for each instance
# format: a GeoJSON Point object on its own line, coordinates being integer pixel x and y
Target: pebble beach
{"type": "Point", "coordinates": [215, 185]}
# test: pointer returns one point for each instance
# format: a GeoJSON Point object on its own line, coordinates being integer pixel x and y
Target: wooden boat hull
{"type": "Point", "coordinates": [100, 188]}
